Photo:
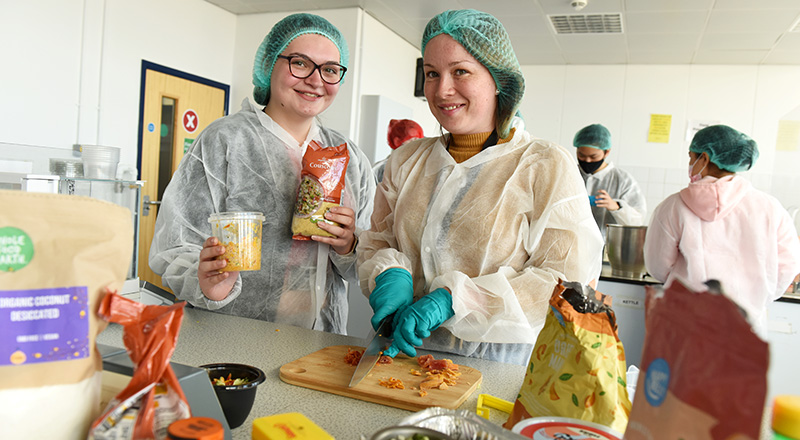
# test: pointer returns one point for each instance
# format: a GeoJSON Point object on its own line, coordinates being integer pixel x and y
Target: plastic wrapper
{"type": "Point", "coordinates": [321, 183]}
{"type": "Point", "coordinates": [459, 424]}
{"type": "Point", "coordinates": [703, 371]}
{"type": "Point", "coordinates": [153, 399]}
{"type": "Point", "coordinates": [577, 367]}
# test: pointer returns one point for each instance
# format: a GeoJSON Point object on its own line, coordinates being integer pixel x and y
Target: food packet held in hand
{"type": "Point", "coordinates": [321, 183]}
{"type": "Point", "coordinates": [577, 367]}
{"type": "Point", "coordinates": [703, 372]}
{"type": "Point", "coordinates": [153, 399]}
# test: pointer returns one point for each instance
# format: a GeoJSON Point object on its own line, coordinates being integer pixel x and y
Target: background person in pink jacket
{"type": "Point", "coordinates": [720, 227]}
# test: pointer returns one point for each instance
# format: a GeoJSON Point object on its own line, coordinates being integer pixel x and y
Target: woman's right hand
{"type": "Point", "coordinates": [215, 285]}
{"type": "Point", "coordinates": [394, 291]}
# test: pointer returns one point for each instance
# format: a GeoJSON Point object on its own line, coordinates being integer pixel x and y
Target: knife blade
{"type": "Point", "coordinates": [379, 340]}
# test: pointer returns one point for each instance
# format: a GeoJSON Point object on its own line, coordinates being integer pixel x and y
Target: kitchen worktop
{"type": "Point", "coordinates": [607, 274]}
{"type": "Point", "coordinates": [208, 337]}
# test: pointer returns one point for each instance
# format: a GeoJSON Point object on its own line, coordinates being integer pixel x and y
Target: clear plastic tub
{"type": "Point", "coordinates": [240, 233]}
{"type": "Point", "coordinates": [100, 161]}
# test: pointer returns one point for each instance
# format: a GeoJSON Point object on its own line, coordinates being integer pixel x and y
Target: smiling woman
{"type": "Point", "coordinates": [473, 229]}
{"type": "Point", "coordinates": [251, 161]}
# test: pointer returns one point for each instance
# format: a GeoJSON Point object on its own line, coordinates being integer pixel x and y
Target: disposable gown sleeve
{"type": "Point", "coordinates": [197, 188]}
{"type": "Point", "coordinates": [563, 241]}
{"type": "Point", "coordinates": [662, 240]}
{"type": "Point", "coordinates": [378, 250]}
{"type": "Point", "coordinates": [788, 252]}
{"type": "Point", "coordinates": [345, 265]}
{"type": "Point", "coordinates": [633, 205]}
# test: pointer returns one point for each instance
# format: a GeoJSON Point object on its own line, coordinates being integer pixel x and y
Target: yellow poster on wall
{"type": "Point", "coordinates": [788, 136]}
{"type": "Point", "coordinates": [660, 126]}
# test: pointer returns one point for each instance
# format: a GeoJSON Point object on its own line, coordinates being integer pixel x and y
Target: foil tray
{"type": "Point", "coordinates": [460, 425]}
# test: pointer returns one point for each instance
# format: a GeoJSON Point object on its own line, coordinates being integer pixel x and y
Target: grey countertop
{"type": "Point", "coordinates": [207, 337]}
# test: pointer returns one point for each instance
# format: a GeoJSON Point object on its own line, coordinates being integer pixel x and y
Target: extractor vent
{"type": "Point", "coordinates": [587, 23]}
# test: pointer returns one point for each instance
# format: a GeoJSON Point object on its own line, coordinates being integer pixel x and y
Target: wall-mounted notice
{"type": "Point", "coordinates": [660, 126]}
{"type": "Point", "coordinates": [788, 136]}
{"type": "Point", "coordinates": [696, 125]}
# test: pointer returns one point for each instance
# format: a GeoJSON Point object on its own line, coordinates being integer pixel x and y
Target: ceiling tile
{"type": "Point", "coordinates": [782, 57]}
{"type": "Point", "coordinates": [593, 7]}
{"type": "Point", "coordinates": [659, 57]}
{"type": "Point", "coordinates": [662, 22]}
{"type": "Point", "coordinates": [729, 56]}
{"type": "Point", "coordinates": [541, 58]}
{"type": "Point", "coordinates": [421, 9]}
{"type": "Point", "coordinates": [738, 41]}
{"type": "Point", "coordinates": [596, 57]}
{"type": "Point", "coordinates": [759, 5]}
{"type": "Point", "coordinates": [536, 44]}
{"type": "Point", "coordinates": [522, 25]}
{"type": "Point", "coordinates": [504, 8]}
{"type": "Point", "coordinates": [747, 21]}
{"type": "Point", "coordinates": [591, 42]}
{"type": "Point", "coordinates": [335, 4]}
{"type": "Point", "coordinates": [663, 43]}
{"type": "Point", "coordinates": [789, 41]}
{"type": "Point", "coordinates": [667, 5]}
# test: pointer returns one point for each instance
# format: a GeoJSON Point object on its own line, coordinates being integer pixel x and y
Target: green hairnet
{"type": "Point", "coordinates": [595, 136]}
{"type": "Point", "coordinates": [280, 36]}
{"type": "Point", "coordinates": [727, 148]}
{"type": "Point", "coordinates": [485, 38]}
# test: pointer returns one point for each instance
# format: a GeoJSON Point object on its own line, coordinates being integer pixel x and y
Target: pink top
{"type": "Point", "coordinates": [727, 230]}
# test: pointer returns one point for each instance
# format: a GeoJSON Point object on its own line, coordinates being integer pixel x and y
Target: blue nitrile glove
{"type": "Point", "coordinates": [393, 291]}
{"type": "Point", "coordinates": [415, 322]}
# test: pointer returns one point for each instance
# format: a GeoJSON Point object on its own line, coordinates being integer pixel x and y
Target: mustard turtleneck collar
{"type": "Point", "coordinates": [464, 146]}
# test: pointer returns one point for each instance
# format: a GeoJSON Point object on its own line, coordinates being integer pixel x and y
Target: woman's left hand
{"type": "Point", "coordinates": [416, 322]}
{"type": "Point", "coordinates": [344, 239]}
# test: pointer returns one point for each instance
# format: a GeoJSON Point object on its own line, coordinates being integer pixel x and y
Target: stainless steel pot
{"type": "Point", "coordinates": [625, 247]}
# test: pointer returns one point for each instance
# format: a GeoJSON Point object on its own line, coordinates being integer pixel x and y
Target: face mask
{"type": "Point", "coordinates": [694, 178]}
{"type": "Point", "coordinates": [590, 167]}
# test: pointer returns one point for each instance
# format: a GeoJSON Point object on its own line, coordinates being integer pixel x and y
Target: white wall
{"type": "Point", "coordinates": [388, 69]}
{"type": "Point", "coordinates": [559, 100]}
{"type": "Point", "coordinates": [72, 68]}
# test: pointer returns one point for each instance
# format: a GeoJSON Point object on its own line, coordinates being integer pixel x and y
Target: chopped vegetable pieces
{"type": "Point", "coordinates": [222, 381]}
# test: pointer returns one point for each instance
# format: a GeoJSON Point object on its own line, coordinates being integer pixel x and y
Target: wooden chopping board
{"type": "Point", "coordinates": [326, 370]}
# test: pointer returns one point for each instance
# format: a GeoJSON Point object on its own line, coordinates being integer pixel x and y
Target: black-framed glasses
{"type": "Point", "coordinates": [301, 67]}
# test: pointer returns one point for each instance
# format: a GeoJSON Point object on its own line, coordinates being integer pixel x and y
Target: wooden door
{"type": "Point", "coordinates": [175, 107]}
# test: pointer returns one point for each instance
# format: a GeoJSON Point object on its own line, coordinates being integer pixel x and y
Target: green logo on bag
{"type": "Point", "coordinates": [16, 249]}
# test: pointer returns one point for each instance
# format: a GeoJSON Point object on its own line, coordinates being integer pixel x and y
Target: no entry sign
{"type": "Point", "coordinates": [190, 121]}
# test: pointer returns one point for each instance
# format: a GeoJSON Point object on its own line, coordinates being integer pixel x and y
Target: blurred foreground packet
{"type": "Point", "coordinates": [704, 370]}
{"type": "Point", "coordinates": [577, 368]}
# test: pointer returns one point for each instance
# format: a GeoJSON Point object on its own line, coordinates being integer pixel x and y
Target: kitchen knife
{"type": "Point", "coordinates": [379, 340]}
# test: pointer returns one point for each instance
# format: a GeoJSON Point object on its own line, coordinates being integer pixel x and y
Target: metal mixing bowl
{"type": "Point", "coordinates": [625, 246]}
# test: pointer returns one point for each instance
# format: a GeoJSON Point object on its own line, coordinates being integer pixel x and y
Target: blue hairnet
{"type": "Point", "coordinates": [485, 38]}
{"type": "Point", "coordinates": [726, 147]}
{"type": "Point", "coordinates": [280, 36]}
{"type": "Point", "coordinates": [594, 136]}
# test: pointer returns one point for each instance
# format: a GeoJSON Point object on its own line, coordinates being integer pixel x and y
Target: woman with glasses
{"type": "Point", "coordinates": [473, 229]}
{"type": "Point", "coordinates": [251, 161]}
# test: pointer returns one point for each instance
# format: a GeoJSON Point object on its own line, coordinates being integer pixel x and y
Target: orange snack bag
{"type": "Point", "coordinates": [321, 184]}
{"type": "Point", "coordinates": [153, 399]}
{"type": "Point", "coordinates": [704, 371]}
{"type": "Point", "coordinates": [577, 367]}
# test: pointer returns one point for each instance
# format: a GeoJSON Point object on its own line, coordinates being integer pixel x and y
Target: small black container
{"type": "Point", "coordinates": [236, 401]}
